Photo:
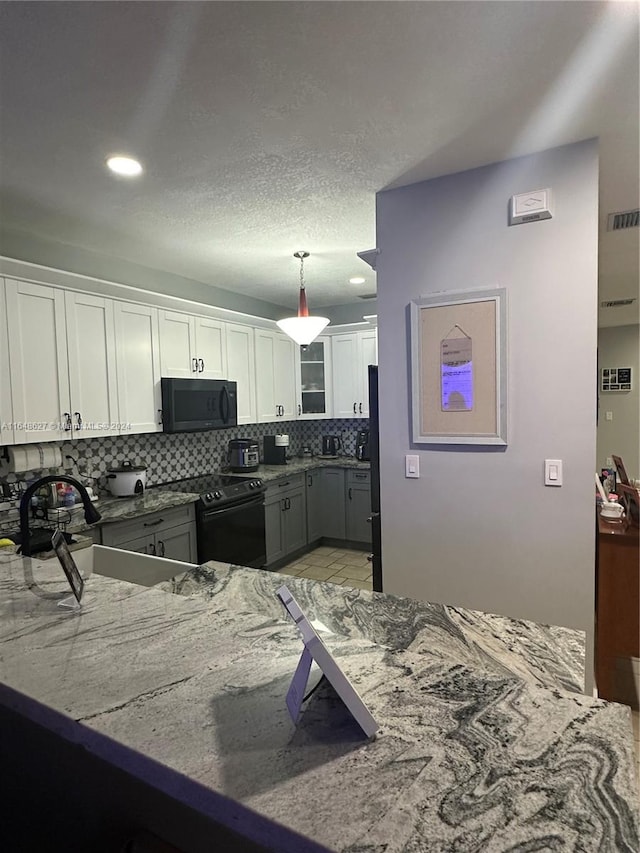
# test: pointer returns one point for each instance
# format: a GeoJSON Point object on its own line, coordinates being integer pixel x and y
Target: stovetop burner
{"type": "Point", "coordinates": [218, 489]}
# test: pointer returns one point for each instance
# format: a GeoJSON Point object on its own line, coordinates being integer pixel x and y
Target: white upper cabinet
{"type": "Point", "coordinates": [275, 376]}
{"type": "Point", "coordinates": [91, 349]}
{"type": "Point", "coordinates": [37, 337]}
{"type": "Point", "coordinates": [138, 367]}
{"type": "Point", "coordinates": [6, 405]}
{"type": "Point", "coordinates": [352, 354]}
{"type": "Point", "coordinates": [192, 346]}
{"type": "Point", "coordinates": [313, 372]}
{"type": "Point", "coordinates": [241, 369]}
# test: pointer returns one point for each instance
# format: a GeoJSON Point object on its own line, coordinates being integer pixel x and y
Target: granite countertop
{"type": "Point", "coordinates": [484, 742]}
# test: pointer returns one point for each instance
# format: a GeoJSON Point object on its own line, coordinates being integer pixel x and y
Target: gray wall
{"type": "Point", "coordinates": [619, 346]}
{"type": "Point", "coordinates": [479, 528]}
{"type": "Point", "coordinates": [36, 250]}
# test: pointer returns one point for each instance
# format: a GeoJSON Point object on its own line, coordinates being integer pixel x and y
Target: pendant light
{"type": "Point", "coordinates": [303, 328]}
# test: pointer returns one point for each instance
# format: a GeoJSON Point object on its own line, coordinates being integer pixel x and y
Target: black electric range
{"type": "Point", "coordinates": [230, 520]}
{"type": "Point", "coordinates": [218, 489]}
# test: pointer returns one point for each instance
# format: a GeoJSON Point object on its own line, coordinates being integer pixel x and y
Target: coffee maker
{"type": "Point", "coordinates": [362, 445]}
{"type": "Point", "coordinates": [275, 449]}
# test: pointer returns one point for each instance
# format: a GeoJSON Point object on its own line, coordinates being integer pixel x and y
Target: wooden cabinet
{"type": "Point", "coordinates": [352, 353]}
{"type": "Point", "coordinates": [63, 363]}
{"type": "Point", "coordinates": [314, 381]}
{"type": "Point", "coordinates": [285, 518]}
{"type": "Point", "coordinates": [358, 506]}
{"type": "Point", "coordinates": [275, 376]}
{"type": "Point", "coordinates": [168, 533]}
{"type": "Point", "coordinates": [138, 367]}
{"type": "Point", "coordinates": [241, 369]}
{"type": "Point", "coordinates": [192, 346]}
{"type": "Point", "coordinates": [617, 641]}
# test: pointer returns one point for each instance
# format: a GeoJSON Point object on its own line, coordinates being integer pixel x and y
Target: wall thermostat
{"type": "Point", "coordinates": [530, 207]}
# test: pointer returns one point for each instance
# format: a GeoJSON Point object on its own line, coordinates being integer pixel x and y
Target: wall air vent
{"type": "Point", "coordinates": [616, 303]}
{"type": "Point", "coordinates": [625, 219]}
{"type": "Point", "coordinates": [367, 295]}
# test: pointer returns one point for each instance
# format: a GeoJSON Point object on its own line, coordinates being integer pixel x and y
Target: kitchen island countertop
{"type": "Point", "coordinates": [484, 742]}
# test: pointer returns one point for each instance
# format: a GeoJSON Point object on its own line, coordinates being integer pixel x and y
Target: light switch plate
{"type": "Point", "coordinates": [553, 472]}
{"type": "Point", "coordinates": [412, 466]}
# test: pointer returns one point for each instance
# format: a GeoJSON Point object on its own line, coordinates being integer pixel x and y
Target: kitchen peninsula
{"type": "Point", "coordinates": [485, 741]}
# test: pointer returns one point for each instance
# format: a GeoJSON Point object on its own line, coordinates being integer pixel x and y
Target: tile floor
{"type": "Point", "coordinates": [335, 565]}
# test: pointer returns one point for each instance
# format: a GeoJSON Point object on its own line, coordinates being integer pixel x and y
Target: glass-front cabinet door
{"type": "Point", "coordinates": [314, 379]}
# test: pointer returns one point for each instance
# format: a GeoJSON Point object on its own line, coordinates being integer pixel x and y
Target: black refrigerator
{"type": "Point", "coordinates": [374, 453]}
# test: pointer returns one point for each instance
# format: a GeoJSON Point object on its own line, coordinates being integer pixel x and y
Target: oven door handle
{"type": "Point", "coordinates": [210, 513]}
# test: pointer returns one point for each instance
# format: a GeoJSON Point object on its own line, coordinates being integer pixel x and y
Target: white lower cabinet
{"type": "Point", "coordinates": [285, 518]}
{"type": "Point", "coordinates": [138, 367]}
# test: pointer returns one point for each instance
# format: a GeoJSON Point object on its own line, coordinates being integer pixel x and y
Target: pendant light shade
{"type": "Point", "coordinates": [303, 329]}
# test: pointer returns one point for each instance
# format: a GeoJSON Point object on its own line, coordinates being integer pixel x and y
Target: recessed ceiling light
{"type": "Point", "coordinates": [126, 166]}
{"type": "Point", "coordinates": [357, 279]}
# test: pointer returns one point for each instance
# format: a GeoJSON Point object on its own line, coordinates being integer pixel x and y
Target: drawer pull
{"type": "Point", "coordinates": [153, 523]}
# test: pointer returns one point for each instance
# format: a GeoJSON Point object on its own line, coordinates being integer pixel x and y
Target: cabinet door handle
{"type": "Point", "coordinates": [350, 498]}
{"type": "Point", "coordinates": [201, 365]}
{"type": "Point", "coordinates": [78, 417]}
{"type": "Point", "coordinates": [160, 416]}
{"type": "Point", "coordinates": [299, 409]}
{"type": "Point", "coordinates": [288, 503]}
{"type": "Point", "coordinates": [161, 544]}
{"type": "Point", "coordinates": [194, 365]}
{"type": "Point", "coordinates": [354, 408]}
{"type": "Point", "coordinates": [370, 519]}
{"type": "Point", "coordinates": [153, 523]}
{"type": "Point", "coordinates": [370, 558]}
{"type": "Point", "coordinates": [360, 408]}
{"type": "Point", "coordinates": [283, 504]}
{"type": "Point", "coordinates": [67, 422]}
{"type": "Point", "coordinates": [152, 549]}
{"type": "Point", "coordinates": [309, 480]}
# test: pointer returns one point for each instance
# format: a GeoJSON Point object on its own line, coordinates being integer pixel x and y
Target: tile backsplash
{"type": "Point", "coordinates": [189, 454]}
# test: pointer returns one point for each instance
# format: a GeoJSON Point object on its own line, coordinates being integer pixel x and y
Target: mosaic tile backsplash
{"type": "Point", "coordinates": [189, 454]}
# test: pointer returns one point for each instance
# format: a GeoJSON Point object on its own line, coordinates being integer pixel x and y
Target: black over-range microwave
{"type": "Point", "coordinates": [190, 405]}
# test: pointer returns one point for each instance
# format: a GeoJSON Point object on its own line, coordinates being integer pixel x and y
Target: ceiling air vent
{"type": "Point", "coordinates": [626, 219]}
{"type": "Point", "coordinates": [367, 295]}
{"type": "Point", "coordinates": [616, 303]}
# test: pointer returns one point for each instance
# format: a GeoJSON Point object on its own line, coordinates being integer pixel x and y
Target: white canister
{"type": "Point", "coordinates": [127, 480]}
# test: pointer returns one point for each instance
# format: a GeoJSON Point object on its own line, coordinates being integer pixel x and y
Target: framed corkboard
{"type": "Point", "coordinates": [458, 368]}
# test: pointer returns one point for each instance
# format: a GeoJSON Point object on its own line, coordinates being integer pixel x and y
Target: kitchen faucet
{"type": "Point", "coordinates": [91, 514]}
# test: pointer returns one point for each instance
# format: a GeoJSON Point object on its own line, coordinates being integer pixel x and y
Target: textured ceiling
{"type": "Point", "coordinates": [267, 127]}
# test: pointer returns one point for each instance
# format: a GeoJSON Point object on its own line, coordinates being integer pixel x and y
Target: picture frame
{"type": "Point", "coordinates": [459, 368]}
